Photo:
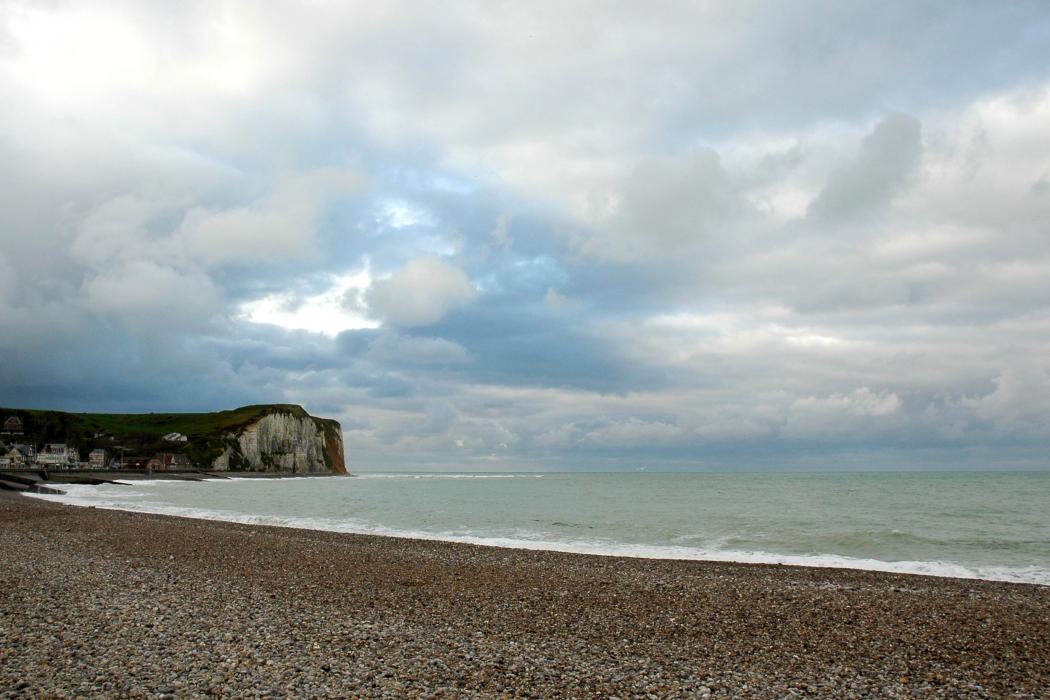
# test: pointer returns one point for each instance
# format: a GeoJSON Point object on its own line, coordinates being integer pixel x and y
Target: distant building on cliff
{"type": "Point", "coordinates": [175, 437]}
{"type": "Point", "coordinates": [13, 426]}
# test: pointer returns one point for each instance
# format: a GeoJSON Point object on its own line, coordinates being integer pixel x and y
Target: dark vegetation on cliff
{"type": "Point", "coordinates": [142, 434]}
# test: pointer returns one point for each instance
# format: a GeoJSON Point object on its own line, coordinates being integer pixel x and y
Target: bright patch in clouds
{"type": "Point", "coordinates": [401, 214]}
{"type": "Point", "coordinates": [328, 312]}
{"type": "Point", "coordinates": [74, 55]}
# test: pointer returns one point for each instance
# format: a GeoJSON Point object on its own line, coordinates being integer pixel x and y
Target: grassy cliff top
{"type": "Point", "coordinates": [80, 428]}
{"type": "Point", "coordinates": [187, 423]}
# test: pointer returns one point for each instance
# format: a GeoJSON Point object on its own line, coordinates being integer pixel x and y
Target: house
{"type": "Point", "coordinates": [175, 437]}
{"type": "Point", "coordinates": [97, 459]}
{"type": "Point", "coordinates": [20, 456]}
{"type": "Point", "coordinates": [169, 461]}
{"type": "Point", "coordinates": [13, 426]}
{"type": "Point", "coordinates": [57, 454]}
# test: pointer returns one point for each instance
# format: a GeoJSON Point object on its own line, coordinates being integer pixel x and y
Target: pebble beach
{"type": "Point", "coordinates": [100, 603]}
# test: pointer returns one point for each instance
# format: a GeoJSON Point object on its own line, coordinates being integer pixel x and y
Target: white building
{"type": "Point", "coordinates": [57, 454]}
{"type": "Point", "coordinates": [97, 459]}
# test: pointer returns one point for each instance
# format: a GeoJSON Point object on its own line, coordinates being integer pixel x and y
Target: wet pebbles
{"type": "Point", "coordinates": [98, 603]}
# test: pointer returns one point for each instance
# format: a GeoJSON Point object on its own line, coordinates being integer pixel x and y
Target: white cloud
{"type": "Point", "coordinates": [858, 414]}
{"type": "Point", "coordinates": [71, 56]}
{"type": "Point", "coordinates": [667, 208]}
{"type": "Point", "coordinates": [8, 280]}
{"type": "Point", "coordinates": [859, 402]}
{"type": "Point", "coordinates": [420, 293]}
{"type": "Point", "coordinates": [1020, 402]}
{"type": "Point", "coordinates": [501, 237]}
{"type": "Point", "coordinates": [326, 312]}
{"type": "Point", "coordinates": [393, 349]}
{"type": "Point", "coordinates": [149, 297]}
{"type": "Point", "coordinates": [555, 299]}
{"type": "Point", "coordinates": [279, 226]}
{"type": "Point", "coordinates": [887, 157]}
{"type": "Point", "coordinates": [117, 230]}
{"type": "Point", "coordinates": [632, 432]}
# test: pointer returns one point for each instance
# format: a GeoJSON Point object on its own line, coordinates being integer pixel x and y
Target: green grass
{"type": "Point", "coordinates": [190, 424]}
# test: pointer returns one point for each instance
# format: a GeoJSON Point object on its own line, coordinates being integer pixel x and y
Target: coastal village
{"type": "Point", "coordinates": [272, 438]}
{"type": "Point", "coordinates": [15, 453]}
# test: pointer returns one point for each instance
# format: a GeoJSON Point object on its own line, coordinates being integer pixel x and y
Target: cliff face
{"type": "Point", "coordinates": [285, 440]}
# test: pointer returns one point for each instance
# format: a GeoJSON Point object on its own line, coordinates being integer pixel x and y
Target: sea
{"type": "Point", "coordinates": [983, 525]}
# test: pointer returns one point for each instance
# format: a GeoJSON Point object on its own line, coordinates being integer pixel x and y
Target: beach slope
{"type": "Point", "coordinates": [114, 604]}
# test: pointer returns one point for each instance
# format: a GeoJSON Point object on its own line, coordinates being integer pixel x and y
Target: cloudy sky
{"type": "Point", "coordinates": [583, 235]}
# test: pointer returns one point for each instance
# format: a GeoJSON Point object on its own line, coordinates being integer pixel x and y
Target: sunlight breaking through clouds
{"type": "Point", "coordinates": [330, 312]}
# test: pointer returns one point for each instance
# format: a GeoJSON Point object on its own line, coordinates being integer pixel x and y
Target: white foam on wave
{"type": "Point", "coordinates": [255, 479]}
{"type": "Point", "coordinates": [99, 497]}
{"type": "Point", "coordinates": [90, 495]}
{"type": "Point", "coordinates": [449, 476]}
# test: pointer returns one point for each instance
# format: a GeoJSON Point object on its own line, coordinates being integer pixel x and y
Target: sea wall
{"type": "Point", "coordinates": [284, 442]}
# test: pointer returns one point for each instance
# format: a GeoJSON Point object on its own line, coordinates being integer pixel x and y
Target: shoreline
{"type": "Point", "coordinates": [667, 552]}
{"type": "Point", "coordinates": [120, 603]}
{"type": "Point", "coordinates": [74, 475]}
{"type": "Point", "coordinates": [47, 481]}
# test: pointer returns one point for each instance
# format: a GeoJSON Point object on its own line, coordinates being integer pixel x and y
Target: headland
{"type": "Point", "coordinates": [269, 438]}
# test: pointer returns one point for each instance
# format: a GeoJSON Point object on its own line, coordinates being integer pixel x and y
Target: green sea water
{"type": "Point", "coordinates": [993, 525]}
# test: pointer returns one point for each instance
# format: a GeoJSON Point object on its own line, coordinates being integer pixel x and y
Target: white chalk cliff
{"type": "Point", "coordinates": [287, 441]}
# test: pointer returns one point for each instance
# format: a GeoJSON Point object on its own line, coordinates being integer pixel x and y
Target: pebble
{"type": "Point", "coordinates": [98, 603]}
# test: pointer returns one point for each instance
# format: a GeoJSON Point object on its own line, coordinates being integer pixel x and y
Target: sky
{"type": "Point", "coordinates": [547, 235]}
